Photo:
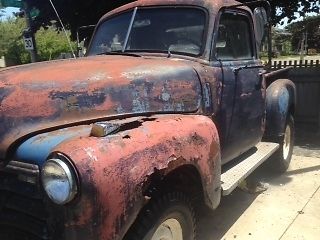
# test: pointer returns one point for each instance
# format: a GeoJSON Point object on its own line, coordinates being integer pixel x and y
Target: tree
{"type": "Point", "coordinates": [284, 8]}
{"type": "Point", "coordinates": [11, 45]}
{"type": "Point", "coordinates": [281, 41]}
{"type": "Point", "coordinates": [76, 13]}
{"type": "Point", "coordinates": [51, 43]}
{"type": "Point", "coordinates": [309, 29]}
{"type": "Point", "coordinates": [73, 13]}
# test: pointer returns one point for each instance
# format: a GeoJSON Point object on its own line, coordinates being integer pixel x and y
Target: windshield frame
{"type": "Point", "coordinates": [204, 35]}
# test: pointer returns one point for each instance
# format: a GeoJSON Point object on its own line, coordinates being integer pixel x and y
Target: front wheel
{"type": "Point", "coordinates": [169, 217]}
{"type": "Point", "coordinates": [281, 159]}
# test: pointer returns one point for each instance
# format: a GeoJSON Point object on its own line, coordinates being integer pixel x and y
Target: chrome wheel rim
{"type": "Point", "coordinates": [168, 230]}
{"type": "Point", "coordinates": [287, 143]}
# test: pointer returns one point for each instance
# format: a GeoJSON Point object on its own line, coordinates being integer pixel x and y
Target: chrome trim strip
{"type": "Point", "coordinates": [22, 168]}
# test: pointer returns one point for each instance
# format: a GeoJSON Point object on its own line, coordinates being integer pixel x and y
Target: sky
{"type": "Point", "coordinates": [299, 18]}
{"type": "Point", "coordinates": [8, 12]}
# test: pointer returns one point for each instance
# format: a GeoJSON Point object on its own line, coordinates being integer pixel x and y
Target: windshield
{"type": "Point", "coordinates": [179, 30]}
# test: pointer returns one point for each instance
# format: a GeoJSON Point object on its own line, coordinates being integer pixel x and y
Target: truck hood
{"type": "Point", "coordinates": [42, 97]}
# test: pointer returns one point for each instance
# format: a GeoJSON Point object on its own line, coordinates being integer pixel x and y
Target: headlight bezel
{"type": "Point", "coordinates": [70, 171]}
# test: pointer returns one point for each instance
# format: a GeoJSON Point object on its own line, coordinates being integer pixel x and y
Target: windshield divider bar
{"type": "Point", "coordinates": [129, 29]}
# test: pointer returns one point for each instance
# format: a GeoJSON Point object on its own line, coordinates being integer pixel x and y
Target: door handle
{"type": "Point", "coordinates": [262, 72]}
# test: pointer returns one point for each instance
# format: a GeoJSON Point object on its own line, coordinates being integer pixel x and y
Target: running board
{"type": "Point", "coordinates": [234, 176]}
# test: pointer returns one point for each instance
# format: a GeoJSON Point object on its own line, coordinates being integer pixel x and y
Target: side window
{"type": "Point", "coordinates": [234, 40]}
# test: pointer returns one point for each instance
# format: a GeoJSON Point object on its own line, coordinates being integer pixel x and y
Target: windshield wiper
{"type": "Point", "coordinates": [120, 53]}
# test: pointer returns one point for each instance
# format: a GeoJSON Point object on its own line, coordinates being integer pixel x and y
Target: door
{"type": "Point", "coordinates": [242, 110]}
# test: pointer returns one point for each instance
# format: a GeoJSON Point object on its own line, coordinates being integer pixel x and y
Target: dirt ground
{"type": "Point", "coordinates": [289, 209]}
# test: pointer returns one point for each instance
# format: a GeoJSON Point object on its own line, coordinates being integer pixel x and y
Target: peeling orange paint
{"type": "Point", "coordinates": [119, 166]}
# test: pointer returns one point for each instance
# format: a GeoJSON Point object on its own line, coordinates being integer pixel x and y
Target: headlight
{"type": "Point", "coordinates": [59, 181]}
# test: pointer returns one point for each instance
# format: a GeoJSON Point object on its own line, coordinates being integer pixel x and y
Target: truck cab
{"type": "Point", "coordinates": [171, 108]}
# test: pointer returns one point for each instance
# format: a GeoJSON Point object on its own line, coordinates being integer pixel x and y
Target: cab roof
{"type": "Point", "coordinates": [213, 6]}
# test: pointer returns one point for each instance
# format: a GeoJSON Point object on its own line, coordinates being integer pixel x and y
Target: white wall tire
{"type": "Point", "coordinates": [281, 160]}
{"type": "Point", "coordinates": [170, 229]}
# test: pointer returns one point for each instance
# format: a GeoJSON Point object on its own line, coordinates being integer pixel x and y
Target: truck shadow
{"type": "Point", "coordinates": [303, 170]}
{"type": "Point", "coordinates": [214, 224]}
{"type": "Point", "coordinates": [307, 142]}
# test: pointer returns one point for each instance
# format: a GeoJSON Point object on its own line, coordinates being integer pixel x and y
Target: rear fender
{"type": "Point", "coordinates": [116, 170]}
{"type": "Point", "coordinates": [281, 101]}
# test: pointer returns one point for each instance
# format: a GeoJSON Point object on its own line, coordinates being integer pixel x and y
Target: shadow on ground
{"type": "Point", "coordinates": [213, 225]}
{"type": "Point", "coordinates": [307, 142]}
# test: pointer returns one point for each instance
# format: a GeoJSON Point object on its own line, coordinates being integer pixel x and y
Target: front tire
{"type": "Point", "coordinates": [169, 217]}
{"type": "Point", "coordinates": [280, 161]}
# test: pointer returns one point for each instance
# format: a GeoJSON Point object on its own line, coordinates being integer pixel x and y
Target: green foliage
{"type": "Point", "coordinates": [309, 26]}
{"type": "Point", "coordinates": [11, 44]}
{"type": "Point", "coordinates": [50, 42]}
{"type": "Point", "coordinates": [281, 41]}
{"type": "Point", "coordinates": [281, 9]}
{"type": "Point", "coordinates": [74, 13]}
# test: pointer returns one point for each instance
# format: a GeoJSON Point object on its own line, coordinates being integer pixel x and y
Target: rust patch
{"type": "Point", "coordinates": [119, 166]}
{"type": "Point", "coordinates": [42, 96]}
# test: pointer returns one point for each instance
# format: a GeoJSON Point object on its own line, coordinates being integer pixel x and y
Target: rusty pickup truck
{"type": "Point", "coordinates": [170, 108]}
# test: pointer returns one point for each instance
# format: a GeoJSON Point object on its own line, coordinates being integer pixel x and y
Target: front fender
{"type": "Point", "coordinates": [114, 171]}
{"type": "Point", "coordinates": [281, 101]}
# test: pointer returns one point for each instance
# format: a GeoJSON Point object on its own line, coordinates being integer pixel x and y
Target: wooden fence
{"type": "Point", "coordinates": [306, 76]}
{"type": "Point", "coordinates": [295, 63]}
{"type": "Point", "coordinates": [307, 80]}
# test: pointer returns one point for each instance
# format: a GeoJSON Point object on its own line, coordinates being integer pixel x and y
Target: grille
{"type": "Point", "coordinates": [22, 210]}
